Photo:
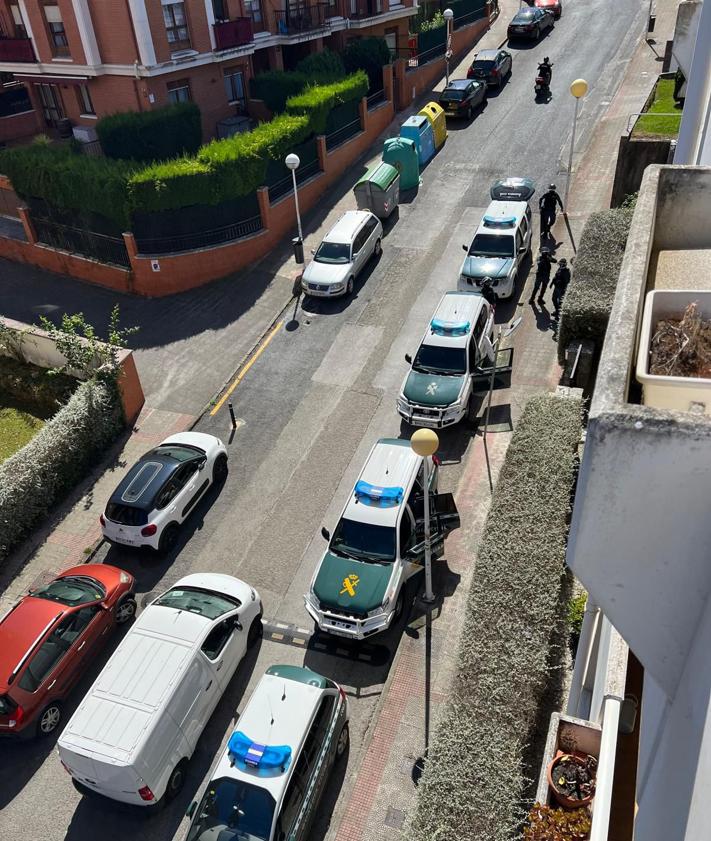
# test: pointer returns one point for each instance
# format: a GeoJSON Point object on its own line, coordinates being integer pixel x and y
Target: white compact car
{"type": "Point", "coordinates": [162, 488]}
{"type": "Point", "coordinates": [131, 737]}
{"type": "Point", "coordinates": [342, 255]}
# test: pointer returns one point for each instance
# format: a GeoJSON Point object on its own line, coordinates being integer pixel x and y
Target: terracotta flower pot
{"type": "Point", "coordinates": [562, 799]}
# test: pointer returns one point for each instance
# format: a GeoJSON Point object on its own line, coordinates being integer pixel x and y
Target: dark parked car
{"type": "Point", "coordinates": [491, 66]}
{"type": "Point", "coordinates": [529, 23]}
{"type": "Point", "coordinates": [462, 97]}
{"type": "Point", "coordinates": [554, 6]}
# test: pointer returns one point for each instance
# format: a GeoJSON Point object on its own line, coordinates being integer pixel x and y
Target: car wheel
{"type": "Point", "coordinates": [49, 719]}
{"type": "Point", "coordinates": [378, 250]}
{"type": "Point", "coordinates": [349, 286]}
{"type": "Point", "coordinates": [255, 632]}
{"type": "Point", "coordinates": [125, 609]}
{"type": "Point", "coordinates": [168, 539]}
{"type": "Point", "coordinates": [469, 113]}
{"type": "Point", "coordinates": [342, 743]}
{"type": "Point", "coordinates": [176, 781]}
{"type": "Point", "coordinates": [219, 469]}
{"type": "Point", "coordinates": [399, 606]}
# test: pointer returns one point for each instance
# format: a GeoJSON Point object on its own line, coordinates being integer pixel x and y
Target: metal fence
{"type": "Point", "coordinates": [80, 241]}
{"type": "Point", "coordinates": [199, 239]}
{"type": "Point", "coordinates": [278, 177]}
{"type": "Point", "coordinates": [335, 138]}
{"type": "Point", "coordinates": [93, 149]}
{"type": "Point", "coordinates": [284, 186]}
{"type": "Point", "coordinates": [376, 99]}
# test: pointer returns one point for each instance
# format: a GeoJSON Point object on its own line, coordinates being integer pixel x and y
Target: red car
{"type": "Point", "coordinates": [48, 639]}
{"type": "Point", "coordinates": [553, 6]}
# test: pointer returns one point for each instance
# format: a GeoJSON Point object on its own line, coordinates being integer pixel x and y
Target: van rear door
{"type": "Point", "coordinates": [121, 782]}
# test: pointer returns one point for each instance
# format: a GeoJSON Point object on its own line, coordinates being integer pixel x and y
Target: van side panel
{"type": "Point", "coordinates": [162, 752]}
{"type": "Point", "coordinates": [191, 704]}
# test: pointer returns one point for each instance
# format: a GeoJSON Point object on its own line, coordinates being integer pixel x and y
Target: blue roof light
{"type": "Point", "coordinates": [378, 495]}
{"type": "Point", "coordinates": [500, 221]}
{"type": "Point", "coordinates": [450, 328]}
{"type": "Point", "coordinates": [267, 760]}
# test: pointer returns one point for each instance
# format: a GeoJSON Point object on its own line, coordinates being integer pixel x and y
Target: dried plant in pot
{"type": "Point", "coordinates": [546, 823]}
{"type": "Point", "coordinates": [571, 777]}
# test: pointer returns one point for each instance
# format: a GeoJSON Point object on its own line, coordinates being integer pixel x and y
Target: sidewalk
{"type": "Point", "coordinates": [383, 788]}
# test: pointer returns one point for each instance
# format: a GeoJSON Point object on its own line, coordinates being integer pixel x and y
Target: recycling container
{"type": "Point", "coordinates": [418, 129]}
{"type": "Point", "coordinates": [402, 154]}
{"type": "Point", "coordinates": [435, 114]}
{"type": "Point", "coordinates": [379, 190]}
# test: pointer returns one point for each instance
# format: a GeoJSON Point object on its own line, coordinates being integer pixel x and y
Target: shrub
{"type": "Point", "coordinates": [69, 180]}
{"type": "Point", "coordinates": [370, 55]}
{"type": "Point", "coordinates": [588, 300]}
{"type": "Point", "coordinates": [33, 386]}
{"type": "Point", "coordinates": [152, 135]}
{"type": "Point", "coordinates": [473, 781]}
{"type": "Point", "coordinates": [434, 22]}
{"type": "Point", "coordinates": [39, 474]}
{"type": "Point", "coordinates": [576, 612]}
{"type": "Point", "coordinates": [316, 102]}
{"type": "Point", "coordinates": [324, 66]}
{"type": "Point", "coordinates": [276, 86]}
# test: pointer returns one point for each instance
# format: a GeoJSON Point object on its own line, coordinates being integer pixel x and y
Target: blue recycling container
{"type": "Point", "coordinates": [419, 129]}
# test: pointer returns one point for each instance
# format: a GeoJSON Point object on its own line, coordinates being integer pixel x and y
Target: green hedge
{"type": "Point", "coordinates": [316, 102]}
{"type": "Point", "coordinates": [70, 180]}
{"type": "Point", "coordinates": [147, 136]}
{"type": "Point", "coordinates": [473, 781]}
{"type": "Point", "coordinates": [326, 66]}
{"type": "Point", "coordinates": [591, 291]}
{"type": "Point", "coordinates": [33, 386]}
{"type": "Point", "coordinates": [370, 55]}
{"type": "Point", "coordinates": [276, 86]}
{"type": "Point", "coordinates": [59, 456]}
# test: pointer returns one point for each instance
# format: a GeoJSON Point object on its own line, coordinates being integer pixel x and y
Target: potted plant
{"type": "Point", "coordinates": [546, 823]}
{"type": "Point", "coordinates": [571, 777]}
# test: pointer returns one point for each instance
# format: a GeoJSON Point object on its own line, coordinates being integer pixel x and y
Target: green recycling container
{"type": "Point", "coordinates": [401, 153]}
{"type": "Point", "coordinates": [379, 190]}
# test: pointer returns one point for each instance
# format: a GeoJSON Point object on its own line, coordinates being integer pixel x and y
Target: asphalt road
{"type": "Point", "coordinates": [310, 409]}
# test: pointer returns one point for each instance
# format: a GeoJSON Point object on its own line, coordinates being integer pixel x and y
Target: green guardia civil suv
{"type": "Point", "coordinates": [457, 343]}
{"type": "Point", "coordinates": [358, 587]}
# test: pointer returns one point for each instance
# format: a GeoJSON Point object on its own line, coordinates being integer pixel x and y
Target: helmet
{"type": "Point", "coordinates": [546, 60]}
{"type": "Point", "coordinates": [546, 251]}
{"type": "Point", "coordinates": [486, 281]}
{"type": "Point", "coordinates": [551, 186]}
{"type": "Point", "coordinates": [562, 262]}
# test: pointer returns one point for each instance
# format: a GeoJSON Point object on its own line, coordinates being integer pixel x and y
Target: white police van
{"type": "Point", "coordinates": [379, 542]}
{"type": "Point", "coordinates": [458, 343]}
{"type": "Point", "coordinates": [268, 782]}
{"type": "Point", "coordinates": [503, 239]}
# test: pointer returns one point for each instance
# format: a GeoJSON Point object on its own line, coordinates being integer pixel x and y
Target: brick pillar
{"type": "Point", "coordinates": [403, 89]}
{"type": "Point", "coordinates": [322, 152]}
{"type": "Point", "coordinates": [363, 114]}
{"type": "Point", "coordinates": [134, 281]}
{"type": "Point", "coordinates": [276, 60]}
{"type": "Point", "coordinates": [265, 207]}
{"type": "Point", "coordinates": [24, 215]}
{"type": "Point", "coordinates": [388, 82]}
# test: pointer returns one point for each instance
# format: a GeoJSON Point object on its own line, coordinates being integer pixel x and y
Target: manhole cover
{"type": "Point", "coordinates": [394, 818]}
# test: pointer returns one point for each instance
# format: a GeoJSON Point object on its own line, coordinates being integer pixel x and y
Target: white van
{"type": "Point", "coordinates": [269, 780]}
{"type": "Point", "coordinates": [133, 733]}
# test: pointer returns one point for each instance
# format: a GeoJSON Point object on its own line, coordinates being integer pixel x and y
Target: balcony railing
{"type": "Point", "coordinates": [233, 33]}
{"type": "Point", "coordinates": [300, 19]}
{"type": "Point", "coordinates": [356, 9]}
{"type": "Point", "coordinates": [16, 49]}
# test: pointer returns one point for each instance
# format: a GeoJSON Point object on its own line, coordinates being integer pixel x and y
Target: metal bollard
{"type": "Point", "coordinates": [232, 415]}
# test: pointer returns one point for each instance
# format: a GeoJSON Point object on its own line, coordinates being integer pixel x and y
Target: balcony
{"type": "Point", "coordinates": [17, 50]}
{"type": "Point", "coordinates": [298, 19]}
{"type": "Point", "coordinates": [233, 33]}
{"type": "Point", "coordinates": [359, 9]}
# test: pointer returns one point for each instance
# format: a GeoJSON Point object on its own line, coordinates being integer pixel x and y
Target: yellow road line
{"type": "Point", "coordinates": [243, 373]}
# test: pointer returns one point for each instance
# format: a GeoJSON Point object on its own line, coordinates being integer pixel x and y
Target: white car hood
{"type": "Point", "coordinates": [330, 273]}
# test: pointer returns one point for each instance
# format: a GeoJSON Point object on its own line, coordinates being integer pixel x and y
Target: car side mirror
{"type": "Point", "coordinates": [202, 464]}
{"type": "Point", "coordinates": [325, 533]}
{"type": "Point", "coordinates": [191, 809]}
{"type": "Point", "coordinates": [408, 359]}
{"type": "Point", "coordinates": [522, 249]}
{"type": "Point", "coordinates": [465, 248]}
{"type": "Point", "coordinates": [237, 624]}
{"type": "Point", "coordinates": [312, 250]}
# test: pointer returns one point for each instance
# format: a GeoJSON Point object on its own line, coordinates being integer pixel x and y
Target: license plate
{"type": "Point", "coordinates": [452, 107]}
{"type": "Point", "coordinates": [338, 633]}
{"type": "Point", "coordinates": [426, 422]}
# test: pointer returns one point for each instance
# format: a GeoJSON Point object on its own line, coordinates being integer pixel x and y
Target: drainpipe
{"type": "Point", "coordinates": [605, 769]}
{"type": "Point", "coordinates": [582, 656]}
{"type": "Point", "coordinates": [691, 148]}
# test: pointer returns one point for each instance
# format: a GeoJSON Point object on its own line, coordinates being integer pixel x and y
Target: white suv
{"type": "Point", "coordinates": [342, 255]}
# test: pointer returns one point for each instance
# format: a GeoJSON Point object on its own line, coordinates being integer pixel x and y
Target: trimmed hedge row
{"type": "Point", "coordinates": [473, 781]}
{"type": "Point", "coordinates": [315, 103]}
{"type": "Point", "coordinates": [151, 135]}
{"type": "Point", "coordinates": [43, 471]}
{"type": "Point", "coordinates": [591, 291]}
{"type": "Point", "coordinates": [30, 384]}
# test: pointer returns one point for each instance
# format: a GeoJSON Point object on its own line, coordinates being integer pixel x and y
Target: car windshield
{"type": "Point", "coordinates": [196, 600]}
{"type": "Point", "coordinates": [440, 360]}
{"type": "Point", "coordinates": [333, 252]}
{"type": "Point", "coordinates": [527, 14]}
{"type": "Point", "coordinates": [487, 245]}
{"type": "Point", "coordinates": [178, 452]}
{"type": "Point", "coordinates": [72, 590]}
{"type": "Point", "coordinates": [482, 64]}
{"type": "Point", "coordinates": [233, 810]}
{"type": "Point", "coordinates": [453, 94]}
{"type": "Point", "coordinates": [364, 541]}
{"type": "Point", "coordinates": [126, 515]}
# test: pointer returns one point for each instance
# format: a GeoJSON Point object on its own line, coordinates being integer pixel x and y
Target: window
{"type": "Point", "coordinates": [176, 27]}
{"type": "Point", "coordinates": [360, 240]}
{"type": "Point", "coordinates": [57, 36]}
{"type": "Point", "coordinates": [229, 803]}
{"type": "Point", "coordinates": [193, 599]}
{"type": "Point", "coordinates": [217, 638]}
{"type": "Point", "coordinates": [234, 87]}
{"type": "Point", "coordinates": [481, 323]}
{"type": "Point", "coordinates": [86, 106]}
{"type": "Point", "coordinates": [20, 29]}
{"type": "Point", "coordinates": [72, 590]}
{"type": "Point", "coordinates": [405, 533]}
{"type": "Point", "coordinates": [179, 91]}
{"type": "Point", "coordinates": [47, 656]}
{"type": "Point", "coordinates": [290, 805]}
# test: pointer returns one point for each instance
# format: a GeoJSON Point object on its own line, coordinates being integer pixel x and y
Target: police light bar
{"type": "Point", "coordinates": [365, 492]}
{"type": "Point", "coordinates": [256, 755]}
{"type": "Point", "coordinates": [449, 328]}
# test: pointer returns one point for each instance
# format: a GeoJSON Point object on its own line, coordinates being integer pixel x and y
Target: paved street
{"type": "Point", "coordinates": [311, 407]}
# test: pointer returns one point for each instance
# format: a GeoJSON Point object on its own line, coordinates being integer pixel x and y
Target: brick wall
{"type": "Point", "coordinates": [38, 23]}
{"type": "Point", "coordinates": [114, 31]}
{"type": "Point", "coordinates": [19, 126]}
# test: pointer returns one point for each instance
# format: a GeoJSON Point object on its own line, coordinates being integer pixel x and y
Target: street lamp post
{"type": "Point", "coordinates": [449, 17]}
{"type": "Point", "coordinates": [578, 89]}
{"type": "Point", "coordinates": [425, 442]}
{"type": "Point", "coordinates": [292, 162]}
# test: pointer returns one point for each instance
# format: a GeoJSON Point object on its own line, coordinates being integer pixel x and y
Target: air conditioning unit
{"type": "Point", "coordinates": [85, 134]}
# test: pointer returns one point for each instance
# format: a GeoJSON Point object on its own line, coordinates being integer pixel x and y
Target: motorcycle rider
{"type": "Point", "coordinates": [545, 71]}
{"type": "Point", "coordinates": [547, 204]}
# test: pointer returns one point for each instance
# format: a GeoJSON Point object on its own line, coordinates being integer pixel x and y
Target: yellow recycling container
{"type": "Point", "coordinates": [436, 116]}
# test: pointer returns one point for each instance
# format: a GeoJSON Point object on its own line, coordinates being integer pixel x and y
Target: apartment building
{"type": "Point", "coordinates": [83, 59]}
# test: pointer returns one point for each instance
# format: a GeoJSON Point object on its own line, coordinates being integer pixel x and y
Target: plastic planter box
{"type": "Point", "coordinates": [662, 392]}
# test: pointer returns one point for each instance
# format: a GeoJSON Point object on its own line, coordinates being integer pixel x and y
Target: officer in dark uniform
{"type": "Point", "coordinates": [547, 204]}
{"type": "Point", "coordinates": [543, 274]}
{"type": "Point", "coordinates": [560, 282]}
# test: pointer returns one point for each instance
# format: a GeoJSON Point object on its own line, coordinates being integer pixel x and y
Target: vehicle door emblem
{"type": "Point", "coordinates": [350, 582]}
{"type": "Point", "coordinates": [432, 388]}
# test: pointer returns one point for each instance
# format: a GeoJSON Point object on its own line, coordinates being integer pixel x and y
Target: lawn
{"type": "Point", "coordinates": [17, 427]}
{"type": "Point", "coordinates": [653, 125]}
